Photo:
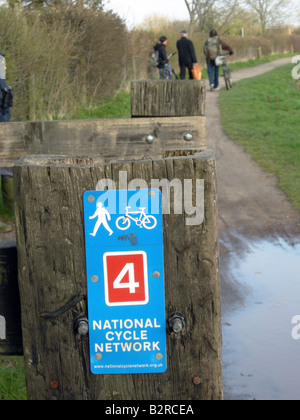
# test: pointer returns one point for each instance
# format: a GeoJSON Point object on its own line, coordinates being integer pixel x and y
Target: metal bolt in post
{"type": "Point", "coordinates": [150, 139]}
{"type": "Point", "coordinates": [82, 326]}
{"type": "Point", "coordinates": [176, 322]}
{"type": "Point", "coordinates": [188, 137]}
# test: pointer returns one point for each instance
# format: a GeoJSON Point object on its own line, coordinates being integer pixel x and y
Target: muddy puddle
{"type": "Point", "coordinates": [261, 358]}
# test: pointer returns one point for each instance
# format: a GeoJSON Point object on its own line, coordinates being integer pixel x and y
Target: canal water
{"type": "Point", "coordinates": [261, 358]}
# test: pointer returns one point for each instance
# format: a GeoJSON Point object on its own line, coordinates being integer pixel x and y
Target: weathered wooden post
{"type": "Point", "coordinates": [106, 138]}
{"type": "Point", "coordinates": [168, 98]}
{"type": "Point", "coordinates": [53, 283]}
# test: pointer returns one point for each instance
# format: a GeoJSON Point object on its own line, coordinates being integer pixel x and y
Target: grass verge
{"type": "Point", "coordinates": [118, 106]}
{"type": "Point", "coordinates": [262, 115]}
{"type": "Point", "coordinates": [12, 379]}
{"type": "Point", "coordinates": [5, 216]}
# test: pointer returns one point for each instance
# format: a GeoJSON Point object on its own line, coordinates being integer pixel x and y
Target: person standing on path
{"type": "Point", "coordinates": [187, 55]}
{"type": "Point", "coordinates": [162, 57]}
{"type": "Point", "coordinates": [212, 49]}
{"type": "Point", "coordinates": [6, 173]}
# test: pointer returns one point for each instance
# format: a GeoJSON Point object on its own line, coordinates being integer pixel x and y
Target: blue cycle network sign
{"type": "Point", "coordinates": [125, 279]}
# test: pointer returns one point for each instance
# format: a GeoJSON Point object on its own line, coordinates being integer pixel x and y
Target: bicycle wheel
{"type": "Point", "coordinates": [123, 223]}
{"type": "Point", "coordinates": [149, 222]}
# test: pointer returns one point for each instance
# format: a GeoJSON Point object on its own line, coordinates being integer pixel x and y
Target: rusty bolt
{"type": "Point", "coordinates": [53, 384]}
{"type": "Point", "coordinates": [197, 380]}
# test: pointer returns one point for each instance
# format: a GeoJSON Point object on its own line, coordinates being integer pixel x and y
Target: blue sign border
{"type": "Point", "coordinates": [125, 339]}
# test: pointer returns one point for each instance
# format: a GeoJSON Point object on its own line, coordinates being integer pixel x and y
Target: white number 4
{"type": "Point", "coordinates": [132, 284]}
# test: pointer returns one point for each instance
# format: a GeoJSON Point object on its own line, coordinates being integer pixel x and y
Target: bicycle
{"type": "Point", "coordinates": [148, 222]}
{"type": "Point", "coordinates": [168, 71]}
{"type": "Point", "coordinates": [221, 61]}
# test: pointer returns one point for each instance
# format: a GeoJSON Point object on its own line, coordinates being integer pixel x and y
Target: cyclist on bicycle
{"type": "Point", "coordinates": [212, 49]}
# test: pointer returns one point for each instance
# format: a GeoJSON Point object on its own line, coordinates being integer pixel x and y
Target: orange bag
{"type": "Point", "coordinates": [197, 72]}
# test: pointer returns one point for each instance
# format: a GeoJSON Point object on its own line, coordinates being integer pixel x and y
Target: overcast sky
{"type": "Point", "coordinates": [135, 11]}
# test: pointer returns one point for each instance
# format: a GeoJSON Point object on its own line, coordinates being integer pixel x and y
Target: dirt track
{"type": "Point", "coordinates": [251, 207]}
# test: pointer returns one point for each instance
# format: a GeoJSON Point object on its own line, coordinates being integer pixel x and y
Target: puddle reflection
{"type": "Point", "coordinates": [261, 359]}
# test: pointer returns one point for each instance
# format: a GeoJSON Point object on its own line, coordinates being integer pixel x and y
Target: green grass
{"type": "Point", "coordinates": [257, 62]}
{"type": "Point", "coordinates": [12, 379]}
{"type": "Point", "coordinates": [250, 63]}
{"type": "Point", "coordinates": [262, 114]}
{"type": "Point", "coordinates": [5, 216]}
{"type": "Point", "coordinates": [116, 107]}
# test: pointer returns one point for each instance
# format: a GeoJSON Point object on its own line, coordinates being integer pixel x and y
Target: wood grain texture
{"type": "Point", "coordinates": [107, 139]}
{"type": "Point", "coordinates": [168, 98]}
{"type": "Point", "coordinates": [49, 220]}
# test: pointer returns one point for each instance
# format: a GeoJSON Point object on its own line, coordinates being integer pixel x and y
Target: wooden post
{"type": "Point", "coordinates": [168, 98]}
{"type": "Point", "coordinates": [107, 139]}
{"type": "Point", "coordinates": [52, 278]}
{"type": "Point", "coordinates": [10, 311]}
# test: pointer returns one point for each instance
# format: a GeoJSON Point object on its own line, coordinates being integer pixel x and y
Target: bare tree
{"type": "Point", "coordinates": [269, 11]}
{"type": "Point", "coordinates": [205, 13]}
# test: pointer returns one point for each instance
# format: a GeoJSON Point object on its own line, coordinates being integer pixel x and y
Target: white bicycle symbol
{"type": "Point", "coordinates": [148, 222]}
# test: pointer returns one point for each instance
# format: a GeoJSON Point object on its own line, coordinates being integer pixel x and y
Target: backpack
{"type": "Point", "coordinates": [7, 97]}
{"type": "Point", "coordinates": [213, 48]}
{"type": "Point", "coordinates": [155, 58]}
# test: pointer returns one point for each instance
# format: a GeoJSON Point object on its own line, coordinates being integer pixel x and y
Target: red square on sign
{"type": "Point", "coordinates": [126, 278]}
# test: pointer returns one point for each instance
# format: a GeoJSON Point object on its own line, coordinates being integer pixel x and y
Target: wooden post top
{"type": "Point", "coordinates": [168, 98]}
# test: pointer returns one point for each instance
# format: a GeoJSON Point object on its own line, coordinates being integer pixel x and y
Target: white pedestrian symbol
{"type": "Point", "coordinates": [103, 218]}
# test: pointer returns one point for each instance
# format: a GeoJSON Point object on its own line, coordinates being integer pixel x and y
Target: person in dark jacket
{"type": "Point", "coordinates": [6, 174]}
{"type": "Point", "coordinates": [187, 56]}
{"type": "Point", "coordinates": [161, 47]}
{"type": "Point", "coordinates": [4, 112]}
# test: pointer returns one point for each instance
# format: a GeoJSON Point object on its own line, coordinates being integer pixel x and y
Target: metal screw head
{"type": "Point", "coordinates": [91, 199]}
{"type": "Point", "coordinates": [95, 279]}
{"type": "Point", "coordinates": [197, 381]}
{"type": "Point", "coordinates": [150, 139]}
{"type": "Point", "coordinates": [188, 137]}
{"type": "Point", "coordinates": [151, 194]}
{"type": "Point", "coordinates": [159, 356]}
